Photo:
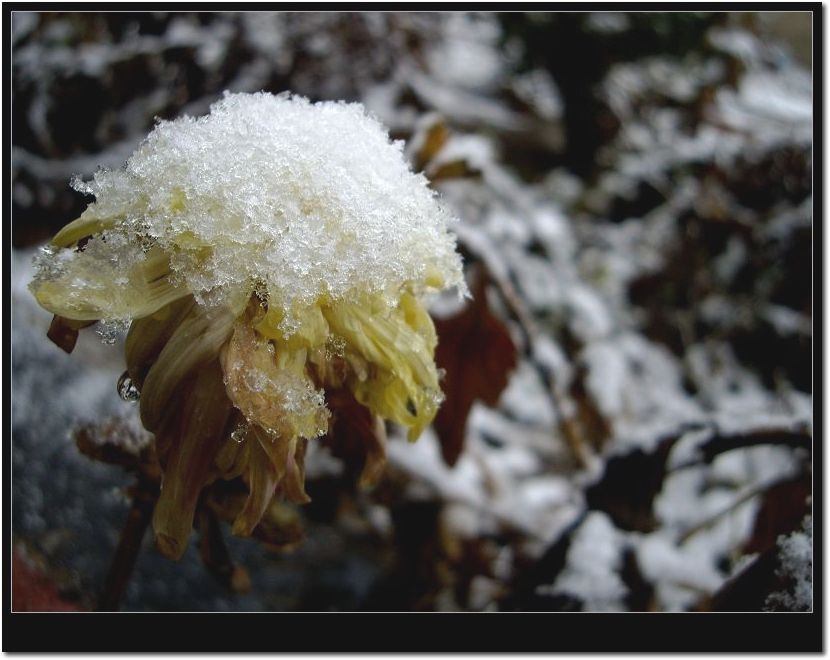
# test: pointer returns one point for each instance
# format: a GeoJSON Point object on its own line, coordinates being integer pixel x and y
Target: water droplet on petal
{"type": "Point", "coordinates": [127, 389]}
{"type": "Point", "coordinates": [238, 434]}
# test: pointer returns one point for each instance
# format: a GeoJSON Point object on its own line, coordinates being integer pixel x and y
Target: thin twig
{"type": "Point", "coordinates": [123, 562]}
{"type": "Point", "coordinates": [215, 554]}
{"type": "Point", "coordinates": [743, 499]}
{"type": "Point", "coordinates": [517, 311]}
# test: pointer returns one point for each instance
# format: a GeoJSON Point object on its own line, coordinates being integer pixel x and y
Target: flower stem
{"type": "Point", "coordinates": [121, 569]}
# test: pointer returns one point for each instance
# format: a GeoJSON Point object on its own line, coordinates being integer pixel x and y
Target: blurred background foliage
{"type": "Point", "coordinates": [635, 195]}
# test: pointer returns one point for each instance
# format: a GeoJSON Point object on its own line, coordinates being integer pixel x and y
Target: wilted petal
{"type": "Point", "coordinates": [270, 385]}
{"type": "Point", "coordinates": [357, 436]}
{"type": "Point", "coordinates": [196, 340]}
{"type": "Point", "coordinates": [399, 344]}
{"type": "Point", "coordinates": [375, 453]}
{"type": "Point", "coordinates": [293, 484]}
{"type": "Point", "coordinates": [148, 336]}
{"type": "Point", "coordinates": [64, 332]}
{"type": "Point", "coordinates": [264, 474]}
{"type": "Point", "coordinates": [195, 436]}
{"type": "Point", "coordinates": [233, 457]}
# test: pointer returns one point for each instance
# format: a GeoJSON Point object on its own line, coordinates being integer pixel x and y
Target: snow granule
{"type": "Point", "coordinates": [796, 552]}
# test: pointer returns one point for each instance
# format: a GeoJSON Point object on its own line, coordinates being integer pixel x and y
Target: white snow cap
{"type": "Point", "coordinates": [305, 199]}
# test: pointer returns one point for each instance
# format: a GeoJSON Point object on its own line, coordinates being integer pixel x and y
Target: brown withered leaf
{"type": "Point", "coordinates": [432, 140]}
{"type": "Point", "coordinates": [458, 168]}
{"type": "Point", "coordinates": [34, 590]}
{"type": "Point", "coordinates": [477, 353]}
{"type": "Point", "coordinates": [782, 509]}
{"type": "Point", "coordinates": [748, 590]}
{"type": "Point", "coordinates": [357, 437]}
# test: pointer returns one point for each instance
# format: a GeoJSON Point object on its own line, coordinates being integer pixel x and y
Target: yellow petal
{"type": "Point", "coordinates": [89, 288]}
{"type": "Point", "coordinates": [311, 329]}
{"type": "Point", "coordinates": [88, 224]}
{"type": "Point", "coordinates": [399, 345]}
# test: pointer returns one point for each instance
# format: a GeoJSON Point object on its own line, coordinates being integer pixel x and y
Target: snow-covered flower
{"type": "Point", "coordinates": [263, 255]}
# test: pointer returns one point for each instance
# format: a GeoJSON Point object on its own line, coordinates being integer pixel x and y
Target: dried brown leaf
{"type": "Point", "coordinates": [357, 437]}
{"type": "Point", "coordinates": [477, 353]}
{"type": "Point", "coordinates": [433, 140]}
{"type": "Point", "coordinates": [782, 509]}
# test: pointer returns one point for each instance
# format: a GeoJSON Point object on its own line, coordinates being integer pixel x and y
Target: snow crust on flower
{"type": "Point", "coordinates": [305, 201]}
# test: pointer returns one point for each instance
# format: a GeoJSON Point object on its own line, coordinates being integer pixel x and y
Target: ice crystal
{"type": "Point", "coordinates": [796, 551]}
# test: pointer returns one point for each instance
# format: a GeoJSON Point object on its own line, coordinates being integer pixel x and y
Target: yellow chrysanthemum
{"type": "Point", "coordinates": [264, 255]}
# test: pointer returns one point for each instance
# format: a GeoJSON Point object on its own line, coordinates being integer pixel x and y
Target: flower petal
{"type": "Point", "coordinates": [195, 436]}
{"type": "Point", "coordinates": [293, 484]}
{"type": "Point", "coordinates": [270, 385]}
{"type": "Point", "coordinates": [264, 474]}
{"type": "Point", "coordinates": [196, 340]}
{"type": "Point", "coordinates": [148, 336]}
{"type": "Point", "coordinates": [400, 344]}
{"type": "Point", "coordinates": [234, 455]}
{"type": "Point", "coordinates": [88, 288]}
{"type": "Point", "coordinates": [89, 223]}
{"type": "Point", "coordinates": [64, 332]}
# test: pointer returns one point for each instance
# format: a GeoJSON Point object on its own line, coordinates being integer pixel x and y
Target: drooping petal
{"type": "Point", "coordinates": [271, 387]}
{"type": "Point", "coordinates": [357, 436]}
{"type": "Point", "coordinates": [87, 287]}
{"type": "Point", "coordinates": [234, 454]}
{"type": "Point", "coordinates": [196, 341]}
{"type": "Point", "coordinates": [399, 344]}
{"type": "Point", "coordinates": [264, 474]}
{"type": "Point", "coordinates": [293, 484]}
{"type": "Point", "coordinates": [148, 336]}
{"type": "Point", "coordinates": [195, 436]}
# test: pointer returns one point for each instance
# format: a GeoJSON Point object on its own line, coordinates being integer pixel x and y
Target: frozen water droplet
{"type": "Point", "coordinates": [238, 434]}
{"type": "Point", "coordinates": [435, 397]}
{"type": "Point", "coordinates": [127, 389]}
